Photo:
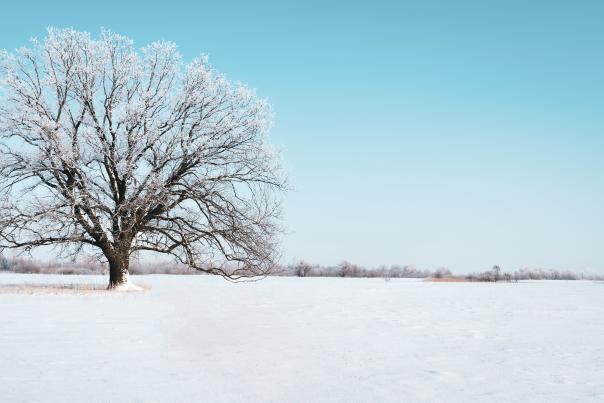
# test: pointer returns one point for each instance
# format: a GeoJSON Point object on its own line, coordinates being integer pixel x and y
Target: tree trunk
{"type": "Point", "coordinates": [118, 271]}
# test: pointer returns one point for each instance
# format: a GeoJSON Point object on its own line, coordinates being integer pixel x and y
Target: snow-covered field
{"type": "Point", "coordinates": [202, 339]}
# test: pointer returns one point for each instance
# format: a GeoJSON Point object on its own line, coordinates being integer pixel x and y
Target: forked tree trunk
{"type": "Point", "coordinates": [118, 271]}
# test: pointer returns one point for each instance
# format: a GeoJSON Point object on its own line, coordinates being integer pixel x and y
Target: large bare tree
{"type": "Point", "coordinates": [106, 147]}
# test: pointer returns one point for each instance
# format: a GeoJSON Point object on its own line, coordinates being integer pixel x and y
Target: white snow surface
{"type": "Point", "coordinates": [203, 339]}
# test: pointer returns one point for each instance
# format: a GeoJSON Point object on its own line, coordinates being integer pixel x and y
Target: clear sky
{"type": "Point", "coordinates": [461, 134]}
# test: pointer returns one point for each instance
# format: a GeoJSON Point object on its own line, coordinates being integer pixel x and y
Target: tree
{"type": "Point", "coordinates": [4, 264]}
{"type": "Point", "coordinates": [122, 151]}
{"type": "Point", "coordinates": [347, 269]}
{"type": "Point", "coordinates": [302, 269]}
{"type": "Point", "coordinates": [496, 273]}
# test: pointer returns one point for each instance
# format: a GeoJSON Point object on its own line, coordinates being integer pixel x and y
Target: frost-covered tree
{"type": "Point", "coordinates": [107, 147]}
{"type": "Point", "coordinates": [302, 268]}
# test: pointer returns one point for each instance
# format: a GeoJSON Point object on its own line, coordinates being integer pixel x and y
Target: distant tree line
{"type": "Point", "coordinates": [299, 269]}
{"type": "Point", "coordinates": [92, 266]}
{"type": "Point", "coordinates": [496, 274]}
{"type": "Point", "coordinates": [348, 269]}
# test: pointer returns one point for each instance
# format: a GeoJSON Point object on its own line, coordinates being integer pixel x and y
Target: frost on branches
{"type": "Point", "coordinates": [103, 146]}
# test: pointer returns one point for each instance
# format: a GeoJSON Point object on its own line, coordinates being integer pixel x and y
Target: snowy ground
{"type": "Point", "coordinates": [202, 339]}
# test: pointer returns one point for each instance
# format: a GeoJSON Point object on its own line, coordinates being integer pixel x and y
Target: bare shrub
{"type": "Point", "coordinates": [442, 273]}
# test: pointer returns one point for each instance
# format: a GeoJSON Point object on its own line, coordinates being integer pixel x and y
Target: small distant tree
{"type": "Point", "coordinates": [496, 273]}
{"type": "Point", "coordinates": [347, 269]}
{"type": "Point", "coordinates": [302, 269]}
{"type": "Point", "coordinates": [4, 264]}
{"type": "Point", "coordinates": [106, 147]}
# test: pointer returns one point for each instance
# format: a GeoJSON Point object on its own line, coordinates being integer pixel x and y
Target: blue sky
{"type": "Point", "coordinates": [461, 134]}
